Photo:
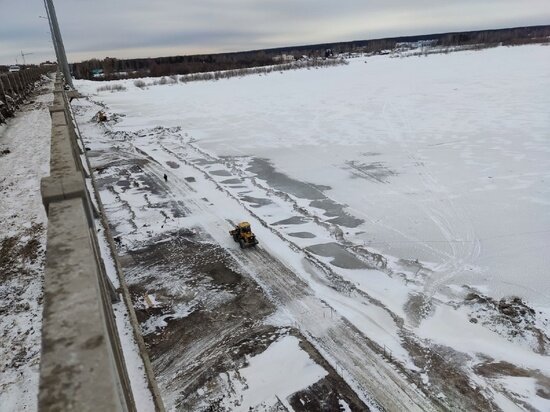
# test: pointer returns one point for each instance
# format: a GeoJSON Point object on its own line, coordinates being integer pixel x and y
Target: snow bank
{"type": "Point", "coordinates": [273, 375]}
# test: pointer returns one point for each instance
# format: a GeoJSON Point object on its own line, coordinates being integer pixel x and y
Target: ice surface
{"type": "Point", "coordinates": [462, 140]}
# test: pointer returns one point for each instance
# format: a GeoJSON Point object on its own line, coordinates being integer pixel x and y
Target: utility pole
{"type": "Point", "coordinates": [58, 42]}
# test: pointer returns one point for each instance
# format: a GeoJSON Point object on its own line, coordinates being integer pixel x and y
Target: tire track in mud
{"type": "Point", "coordinates": [342, 345]}
{"type": "Point", "coordinates": [337, 340]}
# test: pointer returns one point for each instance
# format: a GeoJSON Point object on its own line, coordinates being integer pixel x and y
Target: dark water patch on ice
{"type": "Point", "coordinates": [219, 173]}
{"type": "Point", "coordinates": [280, 181]}
{"type": "Point", "coordinates": [346, 221]}
{"type": "Point", "coordinates": [302, 235]}
{"type": "Point", "coordinates": [265, 170]}
{"type": "Point", "coordinates": [231, 181]}
{"type": "Point", "coordinates": [331, 208]}
{"type": "Point", "coordinates": [124, 184]}
{"type": "Point", "coordinates": [256, 201]}
{"type": "Point", "coordinates": [341, 257]}
{"type": "Point", "coordinates": [336, 210]}
{"type": "Point", "coordinates": [375, 171]}
{"type": "Point", "coordinates": [173, 165]}
{"type": "Point", "coordinates": [202, 162]}
{"type": "Point", "coordinates": [294, 220]}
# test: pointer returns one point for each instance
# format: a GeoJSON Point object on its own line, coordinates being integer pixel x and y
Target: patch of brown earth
{"type": "Point", "coordinates": [498, 369]}
{"type": "Point", "coordinates": [18, 249]}
{"type": "Point", "coordinates": [224, 326]}
{"type": "Point", "coordinates": [519, 319]}
{"type": "Point", "coordinates": [444, 369]}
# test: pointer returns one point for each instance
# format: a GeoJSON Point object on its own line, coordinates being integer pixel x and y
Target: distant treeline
{"type": "Point", "coordinates": [112, 68]}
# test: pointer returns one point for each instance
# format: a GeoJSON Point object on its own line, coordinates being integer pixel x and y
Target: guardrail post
{"type": "Point", "coordinates": [3, 96]}
{"type": "Point", "coordinates": [28, 79]}
{"type": "Point", "coordinates": [18, 84]}
{"type": "Point", "coordinates": [6, 81]}
{"type": "Point", "coordinates": [24, 78]}
{"type": "Point", "coordinates": [10, 88]}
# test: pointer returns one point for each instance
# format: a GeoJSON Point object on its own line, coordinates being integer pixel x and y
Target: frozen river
{"type": "Point", "coordinates": [445, 158]}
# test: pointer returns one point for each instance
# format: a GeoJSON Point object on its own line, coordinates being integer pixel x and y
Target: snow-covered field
{"type": "Point", "coordinates": [418, 185]}
{"type": "Point", "coordinates": [272, 376]}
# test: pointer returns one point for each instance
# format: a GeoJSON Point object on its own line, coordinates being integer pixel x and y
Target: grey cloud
{"type": "Point", "coordinates": [128, 28]}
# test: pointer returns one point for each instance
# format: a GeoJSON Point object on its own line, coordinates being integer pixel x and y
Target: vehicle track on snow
{"type": "Point", "coordinates": [336, 339]}
{"type": "Point", "coordinates": [461, 240]}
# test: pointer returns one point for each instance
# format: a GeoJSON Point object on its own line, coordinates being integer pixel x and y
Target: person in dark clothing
{"type": "Point", "coordinates": [165, 177]}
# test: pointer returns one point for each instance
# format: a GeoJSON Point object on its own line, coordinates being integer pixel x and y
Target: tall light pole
{"type": "Point", "coordinates": [58, 42]}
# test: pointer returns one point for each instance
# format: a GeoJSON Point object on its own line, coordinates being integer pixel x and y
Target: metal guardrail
{"type": "Point", "coordinates": [14, 87]}
{"type": "Point", "coordinates": [82, 364]}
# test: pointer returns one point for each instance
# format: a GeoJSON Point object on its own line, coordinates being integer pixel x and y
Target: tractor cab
{"type": "Point", "coordinates": [243, 235]}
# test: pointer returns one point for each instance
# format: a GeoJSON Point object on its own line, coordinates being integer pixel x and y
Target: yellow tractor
{"type": "Point", "coordinates": [244, 235]}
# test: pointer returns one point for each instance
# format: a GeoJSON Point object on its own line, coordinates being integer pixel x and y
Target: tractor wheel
{"type": "Point", "coordinates": [241, 243]}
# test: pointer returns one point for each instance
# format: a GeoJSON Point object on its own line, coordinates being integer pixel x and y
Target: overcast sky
{"type": "Point", "coordinates": [151, 28]}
